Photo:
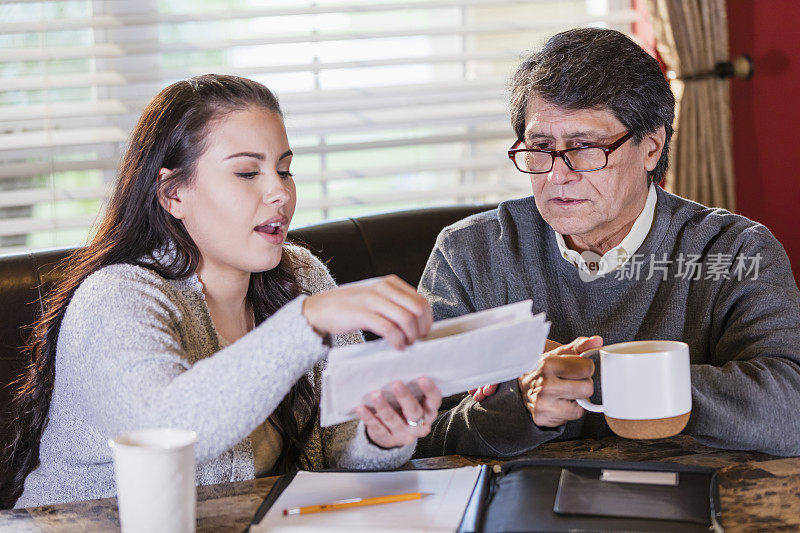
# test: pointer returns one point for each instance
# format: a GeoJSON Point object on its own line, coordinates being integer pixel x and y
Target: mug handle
{"type": "Point", "coordinates": [586, 404]}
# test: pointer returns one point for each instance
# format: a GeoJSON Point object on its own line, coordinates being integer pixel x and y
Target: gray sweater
{"type": "Point", "coordinates": [136, 351]}
{"type": "Point", "coordinates": [743, 334]}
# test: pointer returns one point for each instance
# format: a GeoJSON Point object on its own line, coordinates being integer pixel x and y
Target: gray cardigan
{"type": "Point", "coordinates": [136, 350]}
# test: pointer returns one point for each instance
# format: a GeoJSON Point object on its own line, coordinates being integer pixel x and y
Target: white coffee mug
{"type": "Point", "coordinates": [155, 472]}
{"type": "Point", "coordinates": [647, 390]}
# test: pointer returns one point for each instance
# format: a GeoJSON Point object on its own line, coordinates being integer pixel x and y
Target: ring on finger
{"type": "Point", "coordinates": [416, 423]}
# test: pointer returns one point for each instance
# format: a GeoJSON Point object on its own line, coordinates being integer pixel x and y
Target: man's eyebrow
{"type": "Point", "coordinates": [585, 134]}
{"type": "Point", "coordinates": [254, 155]}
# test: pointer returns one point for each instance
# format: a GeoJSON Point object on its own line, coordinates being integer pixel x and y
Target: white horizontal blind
{"type": "Point", "coordinates": [388, 104]}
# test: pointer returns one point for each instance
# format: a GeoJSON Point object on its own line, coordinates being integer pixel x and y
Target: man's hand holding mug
{"type": "Point", "coordinates": [550, 391]}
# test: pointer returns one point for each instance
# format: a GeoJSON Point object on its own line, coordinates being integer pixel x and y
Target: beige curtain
{"type": "Point", "coordinates": [692, 36]}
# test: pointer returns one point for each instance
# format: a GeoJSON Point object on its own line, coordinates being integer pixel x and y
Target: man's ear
{"type": "Point", "coordinates": [653, 144]}
{"type": "Point", "coordinates": [170, 198]}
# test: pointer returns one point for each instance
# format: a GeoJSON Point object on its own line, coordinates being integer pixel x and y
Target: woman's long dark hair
{"type": "Point", "coordinates": [171, 133]}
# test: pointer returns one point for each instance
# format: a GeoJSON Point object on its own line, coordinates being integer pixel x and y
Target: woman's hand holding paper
{"type": "Point", "coordinates": [386, 306]}
{"type": "Point", "coordinates": [389, 427]}
{"type": "Point", "coordinates": [393, 309]}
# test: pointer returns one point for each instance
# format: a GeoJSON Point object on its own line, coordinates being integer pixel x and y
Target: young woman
{"type": "Point", "coordinates": [189, 310]}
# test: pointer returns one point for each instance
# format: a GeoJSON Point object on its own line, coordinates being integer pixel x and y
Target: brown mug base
{"type": "Point", "coordinates": [657, 428]}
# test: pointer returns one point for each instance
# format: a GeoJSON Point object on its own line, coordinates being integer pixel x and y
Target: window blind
{"type": "Point", "coordinates": [388, 104]}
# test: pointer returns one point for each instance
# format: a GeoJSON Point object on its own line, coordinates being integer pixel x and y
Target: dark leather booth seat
{"type": "Point", "coordinates": [354, 248]}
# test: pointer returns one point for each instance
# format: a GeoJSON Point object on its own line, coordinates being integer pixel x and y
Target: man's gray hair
{"type": "Point", "coordinates": [592, 68]}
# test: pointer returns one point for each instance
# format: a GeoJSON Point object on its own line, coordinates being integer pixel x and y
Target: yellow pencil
{"type": "Point", "coordinates": [354, 502]}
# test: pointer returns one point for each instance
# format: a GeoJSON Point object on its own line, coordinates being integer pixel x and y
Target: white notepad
{"type": "Point", "coordinates": [442, 510]}
{"type": "Point", "coordinates": [459, 354]}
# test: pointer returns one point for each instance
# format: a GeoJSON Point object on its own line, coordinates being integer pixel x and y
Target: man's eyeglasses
{"type": "Point", "coordinates": [580, 159]}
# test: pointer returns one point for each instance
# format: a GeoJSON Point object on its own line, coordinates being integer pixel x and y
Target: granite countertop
{"type": "Point", "coordinates": [757, 491]}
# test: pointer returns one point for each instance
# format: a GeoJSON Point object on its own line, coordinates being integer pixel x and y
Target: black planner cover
{"type": "Point", "coordinates": [522, 497]}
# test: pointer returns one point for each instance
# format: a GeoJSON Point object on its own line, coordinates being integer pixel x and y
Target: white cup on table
{"type": "Point", "coordinates": [154, 471]}
{"type": "Point", "coordinates": [647, 388]}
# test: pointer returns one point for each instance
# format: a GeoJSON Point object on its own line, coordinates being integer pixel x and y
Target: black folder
{"type": "Point", "coordinates": [556, 495]}
{"type": "Point", "coordinates": [569, 495]}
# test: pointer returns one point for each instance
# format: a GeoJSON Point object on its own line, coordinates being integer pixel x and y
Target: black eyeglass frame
{"type": "Point", "coordinates": [606, 148]}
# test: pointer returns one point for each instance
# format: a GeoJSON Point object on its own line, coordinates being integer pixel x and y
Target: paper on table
{"type": "Point", "coordinates": [459, 354]}
{"type": "Point", "coordinates": [442, 510]}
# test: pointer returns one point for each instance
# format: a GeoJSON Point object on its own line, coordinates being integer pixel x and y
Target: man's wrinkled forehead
{"type": "Point", "coordinates": [544, 119]}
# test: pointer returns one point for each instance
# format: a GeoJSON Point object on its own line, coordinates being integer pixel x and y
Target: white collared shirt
{"type": "Point", "coordinates": [619, 255]}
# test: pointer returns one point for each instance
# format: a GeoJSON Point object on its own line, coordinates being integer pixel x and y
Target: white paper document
{"type": "Point", "coordinates": [459, 354]}
{"type": "Point", "coordinates": [449, 492]}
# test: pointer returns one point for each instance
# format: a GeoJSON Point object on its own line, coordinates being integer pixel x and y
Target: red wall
{"type": "Point", "coordinates": [766, 117]}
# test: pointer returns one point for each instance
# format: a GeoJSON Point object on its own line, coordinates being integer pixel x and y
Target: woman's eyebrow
{"type": "Point", "coordinates": [255, 155]}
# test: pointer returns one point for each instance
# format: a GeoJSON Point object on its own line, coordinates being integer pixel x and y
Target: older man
{"type": "Point", "coordinates": [604, 251]}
